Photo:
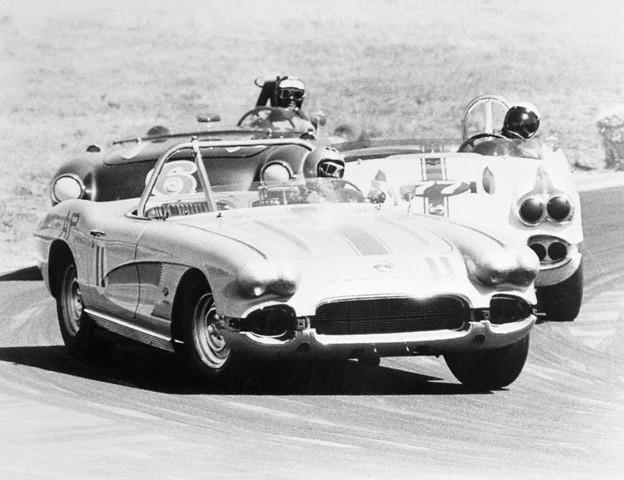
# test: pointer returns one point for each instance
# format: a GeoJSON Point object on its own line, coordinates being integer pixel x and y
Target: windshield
{"type": "Point", "coordinates": [228, 197]}
{"type": "Point", "coordinates": [276, 119]}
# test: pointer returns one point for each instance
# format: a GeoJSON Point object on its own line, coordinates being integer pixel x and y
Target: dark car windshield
{"type": "Point", "coordinates": [276, 119]}
{"type": "Point", "coordinates": [228, 197]}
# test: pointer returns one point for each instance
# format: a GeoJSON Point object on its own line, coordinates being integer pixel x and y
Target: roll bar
{"type": "Point", "coordinates": [195, 146]}
{"type": "Point", "coordinates": [490, 101]}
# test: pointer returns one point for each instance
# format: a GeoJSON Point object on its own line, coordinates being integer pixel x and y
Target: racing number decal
{"type": "Point", "coordinates": [70, 221]}
{"type": "Point", "coordinates": [177, 177]}
{"type": "Point", "coordinates": [436, 188]}
{"type": "Point", "coordinates": [442, 188]}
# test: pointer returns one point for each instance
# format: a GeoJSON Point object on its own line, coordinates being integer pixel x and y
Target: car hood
{"type": "Point", "coordinates": [341, 251]}
{"type": "Point", "coordinates": [325, 231]}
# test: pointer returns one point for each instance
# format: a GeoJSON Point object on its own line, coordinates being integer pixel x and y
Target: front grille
{"type": "Point", "coordinates": [390, 315]}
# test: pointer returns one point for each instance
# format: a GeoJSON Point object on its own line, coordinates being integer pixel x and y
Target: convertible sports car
{"type": "Point", "coordinates": [121, 173]}
{"type": "Point", "coordinates": [493, 183]}
{"type": "Point", "coordinates": [303, 268]}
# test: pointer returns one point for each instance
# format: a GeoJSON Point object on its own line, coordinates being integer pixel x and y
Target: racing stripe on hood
{"type": "Point", "coordinates": [362, 242]}
{"type": "Point", "coordinates": [446, 263]}
{"type": "Point", "coordinates": [422, 241]}
{"type": "Point", "coordinates": [440, 268]}
{"type": "Point", "coordinates": [288, 235]}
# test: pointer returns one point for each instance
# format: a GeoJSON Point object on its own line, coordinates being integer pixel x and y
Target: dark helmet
{"type": "Point", "coordinates": [324, 162]}
{"type": "Point", "coordinates": [289, 92]}
{"type": "Point", "coordinates": [521, 121]}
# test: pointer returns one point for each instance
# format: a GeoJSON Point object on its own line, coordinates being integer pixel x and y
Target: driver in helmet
{"type": "Point", "coordinates": [521, 122]}
{"type": "Point", "coordinates": [285, 92]}
{"type": "Point", "coordinates": [520, 125]}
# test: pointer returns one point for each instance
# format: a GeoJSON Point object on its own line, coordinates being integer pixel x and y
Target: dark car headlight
{"type": "Point", "coordinates": [66, 187]}
{"type": "Point", "coordinates": [508, 308]}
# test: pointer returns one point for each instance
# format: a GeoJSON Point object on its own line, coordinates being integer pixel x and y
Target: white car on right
{"type": "Point", "coordinates": [494, 183]}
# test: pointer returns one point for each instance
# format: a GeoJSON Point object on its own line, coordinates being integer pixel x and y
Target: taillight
{"type": "Point", "coordinates": [559, 208]}
{"type": "Point", "coordinates": [535, 209]}
{"type": "Point", "coordinates": [532, 210]}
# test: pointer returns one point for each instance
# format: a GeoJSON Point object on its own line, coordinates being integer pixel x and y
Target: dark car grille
{"type": "Point", "coordinates": [390, 315]}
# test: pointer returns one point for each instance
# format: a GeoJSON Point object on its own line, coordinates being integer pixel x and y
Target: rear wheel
{"type": "Point", "coordinates": [489, 369]}
{"type": "Point", "coordinates": [562, 302]}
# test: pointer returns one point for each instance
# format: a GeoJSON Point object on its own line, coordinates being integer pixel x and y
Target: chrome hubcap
{"type": "Point", "coordinates": [209, 344]}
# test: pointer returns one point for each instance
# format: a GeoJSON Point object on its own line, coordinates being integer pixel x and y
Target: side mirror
{"type": "Point", "coordinates": [94, 148]}
{"type": "Point", "coordinates": [212, 117]}
{"type": "Point", "coordinates": [318, 119]}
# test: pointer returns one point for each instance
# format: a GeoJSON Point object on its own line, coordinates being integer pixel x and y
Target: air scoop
{"type": "Point", "coordinates": [257, 278]}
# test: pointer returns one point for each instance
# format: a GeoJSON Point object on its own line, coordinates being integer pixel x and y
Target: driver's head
{"type": "Point", "coordinates": [521, 121]}
{"type": "Point", "coordinates": [289, 92]}
{"type": "Point", "coordinates": [324, 162]}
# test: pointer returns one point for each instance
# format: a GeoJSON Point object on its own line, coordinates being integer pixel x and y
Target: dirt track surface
{"type": "Point", "coordinates": [136, 416]}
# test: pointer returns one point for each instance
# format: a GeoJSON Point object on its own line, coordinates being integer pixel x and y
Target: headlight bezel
{"type": "Point", "coordinates": [76, 181]}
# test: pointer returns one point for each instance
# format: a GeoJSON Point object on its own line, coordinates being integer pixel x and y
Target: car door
{"type": "Point", "coordinates": [113, 274]}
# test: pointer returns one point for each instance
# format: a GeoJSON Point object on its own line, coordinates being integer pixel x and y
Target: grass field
{"type": "Point", "coordinates": [87, 72]}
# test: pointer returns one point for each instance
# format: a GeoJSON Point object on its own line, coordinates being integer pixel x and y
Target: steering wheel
{"type": "Point", "coordinates": [266, 115]}
{"type": "Point", "coordinates": [344, 190]}
{"type": "Point", "coordinates": [469, 144]}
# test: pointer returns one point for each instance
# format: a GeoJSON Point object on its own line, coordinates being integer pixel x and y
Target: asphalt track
{"type": "Point", "coordinates": [135, 415]}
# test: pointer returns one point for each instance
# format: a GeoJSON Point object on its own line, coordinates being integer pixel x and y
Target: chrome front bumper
{"type": "Point", "coordinates": [307, 343]}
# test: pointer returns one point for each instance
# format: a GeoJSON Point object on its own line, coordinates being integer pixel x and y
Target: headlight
{"type": "Point", "coordinates": [559, 208]}
{"type": "Point", "coordinates": [66, 187]}
{"type": "Point", "coordinates": [532, 210]}
{"type": "Point", "coordinates": [275, 173]}
{"type": "Point", "coordinates": [508, 308]}
{"type": "Point", "coordinates": [272, 321]}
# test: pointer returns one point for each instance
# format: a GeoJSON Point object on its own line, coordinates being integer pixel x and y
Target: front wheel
{"type": "Point", "coordinates": [489, 369]}
{"type": "Point", "coordinates": [562, 302]}
{"type": "Point", "coordinates": [77, 329]}
{"type": "Point", "coordinates": [205, 351]}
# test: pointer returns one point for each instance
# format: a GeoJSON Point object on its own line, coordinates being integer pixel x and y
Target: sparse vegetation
{"type": "Point", "coordinates": [87, 72]}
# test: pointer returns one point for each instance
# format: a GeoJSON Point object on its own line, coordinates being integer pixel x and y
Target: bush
{"type": "Point", "coordinates": [611, 127]}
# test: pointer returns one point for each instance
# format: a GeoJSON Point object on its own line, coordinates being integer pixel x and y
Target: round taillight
{"type": "Point", "coordinates": [559, 208]}
{"type": "Point", "coordinates": [531, 210]}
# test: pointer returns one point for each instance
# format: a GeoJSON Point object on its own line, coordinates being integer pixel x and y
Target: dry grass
{"type": "Point", "coordinates": [84, 72]}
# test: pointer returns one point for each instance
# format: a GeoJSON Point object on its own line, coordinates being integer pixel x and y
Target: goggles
{"type": "Point", "coordinates": [329, 168]}
{"type": "Point", "coordinates": [288, 93]}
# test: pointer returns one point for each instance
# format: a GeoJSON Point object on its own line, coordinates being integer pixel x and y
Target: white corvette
{"type": "Point", "coordinates": [494, 184]}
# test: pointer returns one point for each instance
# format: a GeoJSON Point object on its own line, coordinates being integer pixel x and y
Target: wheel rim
{"type": "Point", "coordinates": [71, 302]}
{"type": "Point", "coordinates": [211, 347]}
